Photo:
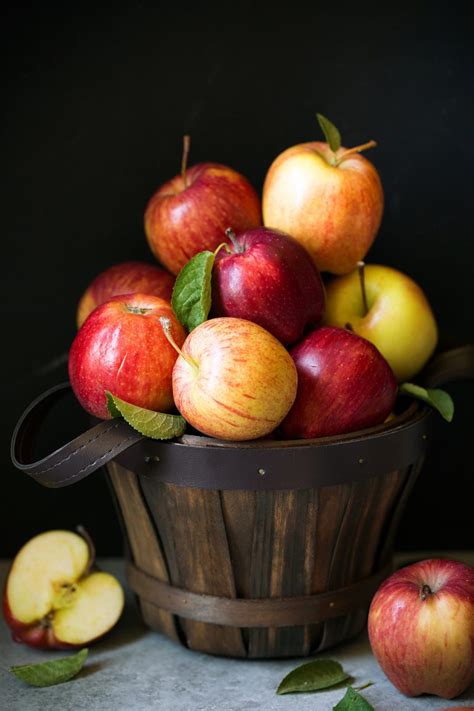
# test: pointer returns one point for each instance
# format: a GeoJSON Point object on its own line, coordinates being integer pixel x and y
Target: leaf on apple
{"type": "Point", "coordinates": [191, 299]}
{"type": "Point", "coordinates": [331, 134]}
{"type": "Point", "coordinates": [111, 406]}
{"type": "Point", "coordinates": [156, 425]}
{"type": "Point", "coordinates": [313, 676]}
{"type": "Point", "coordinates": [352, 701]}
{"type": "Point", "coordinates": [435, 397]}
{"type": "Point", "coordinates": [54, 672]}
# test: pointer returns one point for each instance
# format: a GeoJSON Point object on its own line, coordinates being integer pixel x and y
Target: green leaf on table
{"type": "Point", "coordinates": [54, 672]}
{"type": "Point", "coordinates": [156, 425]}
{"type": "Point", "coordinates": [312, 676]}
{"type": "Point", "coordinates": [352, 701]}
{"type": "Point", "coordinates": [439, 399]}
{"type": "Point", "coordinates": [332, 135]}
{"type": "Point", "coordinates": [191, 299]}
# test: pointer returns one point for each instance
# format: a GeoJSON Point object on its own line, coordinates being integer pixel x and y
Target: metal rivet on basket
{"type": "Point", "coordinates": [152, 459]}
{"type": "Point", "coordinates": [331, 604]}
{"type": "Point", "coordinates": [361, 461]}
{"type": "Point", "coordinates": [424, 436]}
{"type": "Point", "coordinates": [261, 471]}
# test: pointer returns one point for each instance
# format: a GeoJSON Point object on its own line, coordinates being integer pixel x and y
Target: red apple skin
{"type": "Point", "coordinates": [272, 282]}
{"type": "Point", "coordinates": [124, 351]}
{"type": "Point", "coordinates": [182, 220]}
{"type": "Point", "coordinates": [426, 646]}
{"type": "Point", "coordinates": [38, 634]}
{"type": "Point", "coordinates": [344, 385]}
{"type": "Point", "coordinates": [124, 278]}
{"type": "Point", "coordinates": [334, 211]}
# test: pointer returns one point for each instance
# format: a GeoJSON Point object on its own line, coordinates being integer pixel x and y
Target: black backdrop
{"type": "Point", "coordinates": [96, 103]}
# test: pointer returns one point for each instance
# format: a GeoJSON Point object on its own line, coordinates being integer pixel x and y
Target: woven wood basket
{"type": "Point", "coordinates": [263, 549]}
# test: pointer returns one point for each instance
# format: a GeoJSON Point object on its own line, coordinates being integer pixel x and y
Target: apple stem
{"type": "Point", "coordinates": [223, 245]}
{"type": "Point", "coordinates": [361, 270]}
{"type": "Point", "coordinates": [425, 592]}
{"type": "Point", "coordinates": [233, 238]}
{"type": "Point", "coordinates": [166, 326]}
{"type": "Point", "coordinates": [357, 149]}
{"type": "Point", "coordinates": [184, 160]}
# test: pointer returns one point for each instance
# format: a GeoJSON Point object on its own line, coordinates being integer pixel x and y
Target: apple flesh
{"type": "Point", "coordinates": [52, 599]}
{"type": "Point", "coordinates": [399, 319]}
{"type": "Point", "coordinates": [234, 380]}
{"type": "Point", "coordinates": [421, 628]}
{"type": "Point", "coordinates": [124, 278]}
{"type": "Point", "coordinates": [344, 385]}
{"type": "Point", "coordinates": [269, 278]}
{"type": "Point", "coordinates": [332, 204]}
{"type": "Point", "coordinates": [190, 213]}
{"type": "Point", "coordinates": [121, 348]}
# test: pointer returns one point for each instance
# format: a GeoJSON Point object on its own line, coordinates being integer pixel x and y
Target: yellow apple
{"type": "Point", "coordinates": [233, 379]}
{"type": "Point", "coordinates": [398, 319]}
{"type": "Point", "coordinates": [327, 197]}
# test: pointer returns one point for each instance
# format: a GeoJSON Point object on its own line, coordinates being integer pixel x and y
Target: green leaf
{"type": "Point", "coordinates": [53, 672]}
{"type": "Point", "coordinates": [157, 425]}
{"type": "Point", "coordinates": [352, 701]}
{"type": "Point", "coordinates": [191, 299]}
{"type": "Point", "coordinates": [332, 135]}
{"type": "Point", "coordinates": [312, 676]}
{"type": "Point", "coordinates": [439, 399]}
{"type": "Point", "coordinates": [111, 407]}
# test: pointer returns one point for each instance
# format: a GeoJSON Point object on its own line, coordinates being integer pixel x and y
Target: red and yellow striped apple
{"type": "Point", "coordinates": [121, 347]}
{"type": "Point", "coordinates": [233, 380]}
{"type": "Point", "coordinates": [124, 278]}
{"type": "Point", "coordinates": [394, 315]}
{"type": "Point", "coordinates": [190, 213]}
{"type": "Point", "coordinates": [421, 628]}
{"type": "Point", "coordinates": [53, 599]}
{"type": "Point", "coordinates": [331, 202]}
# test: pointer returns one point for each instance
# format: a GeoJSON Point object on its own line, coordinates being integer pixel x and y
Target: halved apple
{"type": "Point", "coordinates": [52, 598]}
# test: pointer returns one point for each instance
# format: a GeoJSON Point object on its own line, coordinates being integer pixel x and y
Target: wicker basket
{"type": "Point", "coordinates": [264, 549]}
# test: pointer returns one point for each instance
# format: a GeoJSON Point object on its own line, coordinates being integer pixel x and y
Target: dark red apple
{"type": "Point", "coordinates": [189, 213]}
{"type": "Point", "coordinates": [344, 385]}
{"type": "Point", "coordinates": [269, 278]}
{"type": "Point", "coordinates": [124, 278]}
{"type": "Point", "coordinates": [122, 348]}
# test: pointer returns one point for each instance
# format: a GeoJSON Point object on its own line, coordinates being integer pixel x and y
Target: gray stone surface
{"type": "Point", "coordinates": [134, 669]}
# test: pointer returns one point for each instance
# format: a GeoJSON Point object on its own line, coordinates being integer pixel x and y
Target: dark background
{"type": "Point", "coordinates": [96, 103]}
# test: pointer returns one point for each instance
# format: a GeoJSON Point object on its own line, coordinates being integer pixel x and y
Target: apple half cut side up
{"type": "Point", "coordinates": [51, 600]}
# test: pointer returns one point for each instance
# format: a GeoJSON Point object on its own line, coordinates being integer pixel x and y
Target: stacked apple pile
{"type": "Point", "coordinates": [251, 341]}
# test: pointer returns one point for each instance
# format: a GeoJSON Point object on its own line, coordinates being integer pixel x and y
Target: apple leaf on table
{"type": "Point", "coordinates": [54, 672]}
{"type": "Point", "coordinates": [435, 397]}
{"type": "Point", "coordinates": [312, 676]}
{"type": "Point", "coordinates": [156, 425]}
{"type": "Point", "coordinates": [352, 701]}
{"type": "Point", "coordinates": [191, 299]}
{"type": "Point", "coordinates": [331, 134]}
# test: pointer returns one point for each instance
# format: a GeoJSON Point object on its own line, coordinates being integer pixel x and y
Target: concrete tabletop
{"type": "Point", "coordinates": [134, 669]}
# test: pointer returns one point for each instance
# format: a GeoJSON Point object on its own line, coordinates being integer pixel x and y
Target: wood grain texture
{"type": "Point", "coordinates": [143, 543]}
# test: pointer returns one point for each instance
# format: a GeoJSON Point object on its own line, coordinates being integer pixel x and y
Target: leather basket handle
{"type": "Point", "coordinates": [103, 442]}
{"type": "Point", "coordinates": [76, 459]}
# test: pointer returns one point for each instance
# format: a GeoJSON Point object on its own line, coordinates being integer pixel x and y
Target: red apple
{"type": "Point", "coordinates": [233, 380]}
{"type": "Point", "coordinates": [125, 278]}
{"type": "Point", "coordinates": [268, 278]}
{"type": "Point", "coordinates": [189, 213]}
{"type": "Point", "coordinates": [421, 628]}
{"type": "Point", "coordinates": [52, 598]}
{"type": "Point", "coordinates": [344, 385]}
{"type": "Point", "coordinates": [329, 200]}
{"type": "Point", "coordinates": [121, 347]}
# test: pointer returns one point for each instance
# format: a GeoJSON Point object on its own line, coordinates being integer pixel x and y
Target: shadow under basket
{"type": "Point", "coordinates": [252, 549]}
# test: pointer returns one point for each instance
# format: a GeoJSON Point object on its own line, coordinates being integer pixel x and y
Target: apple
{"type": "Point", "coordinates": [124, 278]}
{"type": "Point", "coordinates": [329, 200]}
{"type": "Point", "coordinates": [189, 213]}
{"type": "Point", "coordinates": [52, 597]}
{"type": "Point", "coordinates": [389, 309]}
{"type": "Point", "coordinates": [421, 628]}
{"type": "Point", "coordinates": [267, 277]}
{"type": "Point", "coordinates": [121, 347]}
{"type": "Point", "coordinates": [344, 385]}
{"type": "Point", "coordinates": [233, 379]}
